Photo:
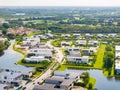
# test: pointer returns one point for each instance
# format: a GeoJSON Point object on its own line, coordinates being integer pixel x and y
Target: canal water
{"type": "Point", "coordinates": [10, 58]}
{"type": "Point", "coordinates": [102, 82]}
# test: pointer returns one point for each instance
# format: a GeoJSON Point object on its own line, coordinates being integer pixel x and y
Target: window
{"type": "Point", "coordinates": [5, 77]}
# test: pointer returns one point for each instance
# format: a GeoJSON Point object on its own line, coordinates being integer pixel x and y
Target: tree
{"type": "Point", "coordinates": [2, 47]}
{"type": "Point", "coordinates": [5, 25]}
{"type": "Point", "coordinates": [90, 86]}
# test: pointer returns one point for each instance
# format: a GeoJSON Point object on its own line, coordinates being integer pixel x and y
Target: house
{"type": "Point", "coordinates": [112, 35]}
{"type": "Point", "coordinates": [11, 77]}
{"type": "Point", "coordinates": [31, 41]}
{"type": "Point", "coordinates": [3, 39]}
{"type": "Point", "coordinates": [81, 42]}
{"type": "Point", "coordinates": [117, 51]}
{"type": "Point", "coordinates": [24, 71]}
{"type": "Point", "coordinates": [50, 35]}
{"type": "Point", "coordinates": [66, 35]}
{"type": "Point", "coordinates": [75, 56]}
{"type": "Point", "coordinates": [87, 52]}
{"type": "Point", "coordinates": [100, 36]}
{"type": "Point", "coordinates": [93, 43]}
{"type": "Point", "coordinates": [42, 36]}
{"type": "Point", "coordinates": [0, 32]}
{"type": "Point", "coordinates": [71, 49]}
{"type": "Point", "coordinates": [45, 52]}
{"type": "Point", "coordinates": [47, 87]}
{"type": "Point", "coordinates": [117, 59]}
{"type": "Point", "coordinates": [117, 66]}
{"type": "Point", "coordinates": [88, 35]}
{"type": "Point", "coordinates": [77, 35]}
{"type": "Point", "coordinates": [34, 59]}
{"type": "Point", "coordinates": [64, 43]}
{"type": "Point", "coordinates": [59, 81]}
{"type": "Point", "coordinates": [82, 59]}
{"type": "Point", "coordinates": [71, 75]}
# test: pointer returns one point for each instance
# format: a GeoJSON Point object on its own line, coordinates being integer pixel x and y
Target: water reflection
{"type": "Point", "coordinates": [10, 57]}
{"type": "Point", "coordinates": [102, 82]}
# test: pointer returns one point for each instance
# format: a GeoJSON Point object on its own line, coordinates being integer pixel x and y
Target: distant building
{"type": "Point", "coordinates": [31, 41]}
{"type": "Point", "coordinates": [112, 35]}
{"type": "Point", "coordinates": [76, 35]}
{"type": "Point", "coordinates": [71, 49]}
{"type": "Point", "coordinates": [93, 43]}
{"type": "Point", "coordinates": [88, 35]}
{"type": "Point", "coordinates": [100, 36]}
{"type": "Point", "coordinates": [87, 52]}
{"type": "Point", "coordinates": [66, 35]}
{"type": "Point", "coordinates": [81, 42]}
{"type": "Point", "coordinates": [64, 43]}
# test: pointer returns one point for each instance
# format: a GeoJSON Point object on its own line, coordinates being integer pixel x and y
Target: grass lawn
{"type": "Point", "coordinates": [100, 54]}
{"type": "Point", "coordinates": [30, 64]}
{"type": "Point", "coordinates": [92, 81]}
{"type": "Point", "coordinates": [106, 73]}
{"type": "Point", "coordinates": [36, 74]}
{"type": "Point", "coordinates": [33, 33]}
{"type": "Point", "coordinates": [64, 66]}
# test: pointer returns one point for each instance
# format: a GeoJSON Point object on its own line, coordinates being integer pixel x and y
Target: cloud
{"type": "Point", "coordinates": [59, 2]}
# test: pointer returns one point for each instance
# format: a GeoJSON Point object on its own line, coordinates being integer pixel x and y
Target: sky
{"type": "Point", "coordinates": [59, 2]}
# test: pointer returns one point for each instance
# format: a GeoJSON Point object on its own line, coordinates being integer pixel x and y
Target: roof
{"type": "Point", "coordinates": [54, 80]}
{"type": "Point", "coordinates": [46, 87]}
{"type": "Point", "coordinates": [67, 82]}
{"type": "Point", "coordinates": [10, 74]}
{"type": "Point", "coordinates": [63, 74]}
{"type": "Point", "coordinates": [75, 54]}
{"type": "Point", "coordinates": [117, 47]}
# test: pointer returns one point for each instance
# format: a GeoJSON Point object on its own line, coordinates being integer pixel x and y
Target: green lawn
{"type": "Point", "coordinates": [100, 54]}
{"type": "Point", "coordinates": [64, 66]}
{"type": "Point", "coordinates": [92, 81]}
{"type": "Point", "coordinates": [33, 33]}
{"type": "Point", "coordinates": [36, 74]}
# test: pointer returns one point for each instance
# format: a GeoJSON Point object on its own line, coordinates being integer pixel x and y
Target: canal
{"type": "Point", "coordinates": [102, 82]}
{"type": "Point", "coordinates": [10, 58]}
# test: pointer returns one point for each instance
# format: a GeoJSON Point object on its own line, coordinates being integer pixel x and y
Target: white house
{"type": "Point", "coordinates": [66, 35]}
{"type": "Point", "coordinates": [100, 35]}
{"type": "Point", "coordinates": [69, 49]}
{"type": "Point", "coordinates": [31, 41]}
{"type": "Point", "coordinates": [77, 35]}
{"type": "Point", "coordinates": [11, 77]}
{"type": "Point", "coordinates": [117, 51]}
{"type": "Point", "coordinates": [112, 35]}
{"type": "Point", "coordinates": [47, 53]}
{"type": "Point", "coordinates": [35, 59]}
{"type": "Point", "coordinates": [60, 81]}
{"type": "Point", "coordinates": [87, 51]}
{"type": "Point", "coordinates": [64, 43]}
{"type": "Point", "coordinates": [88, 35]}
{"type": "Point", "coordinates": [81, 42]}
{"type": "Point", "coordinates": [93, 43]}
{"type": "Point", "coordinates": [83, 59]}
{"type": "Point", "coordinates": [117, 66]}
